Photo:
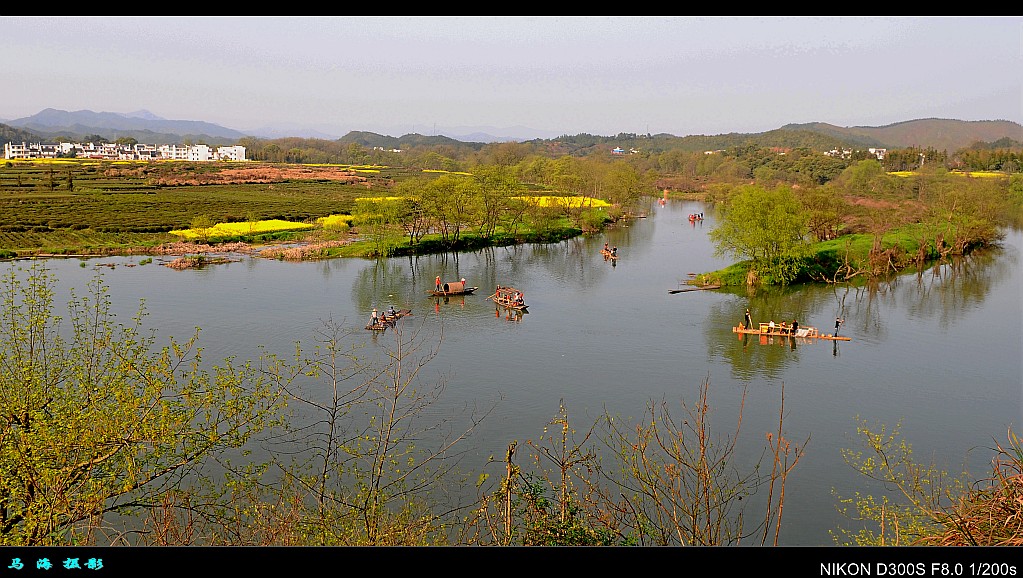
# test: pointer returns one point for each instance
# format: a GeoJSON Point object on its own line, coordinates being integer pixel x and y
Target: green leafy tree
{"type": "Point", "coordinates": [454, 202]}
{"type": "Point", "coordinates": [356, 154]}
{"type": "Point", "coordinates": [965, 215]}
{"type": "Point", "coordinates": [862, 177]}
{"type": "Point", "coordinates": [496, 185]}
{"type": "Point", "coordinates": [922, 500]}
{"type": "Point", "coordinates": [622, 184]}
{"type": "Point", "coordinates": [825, 212]}
{"type": "Point", "coordinates": [202, 225]}
{"type": "Point", "coordinates": [97, 424]}
{"type": "Point", "coordinates": [765, 227]}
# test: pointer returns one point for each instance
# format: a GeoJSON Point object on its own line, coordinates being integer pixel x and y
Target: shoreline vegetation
{"type": "Point", "coordinates": [136, 430]}
{"type": "Point", "coordinates": [862, 223]}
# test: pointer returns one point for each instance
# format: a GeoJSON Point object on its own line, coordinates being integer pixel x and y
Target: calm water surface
{"type": "Point", "coordinates": [938, 351]}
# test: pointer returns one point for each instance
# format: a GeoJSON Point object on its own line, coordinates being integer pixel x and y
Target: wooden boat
{"type": "Point", "coordinates": [386, 320]}
{"type": "Point", "coordinates": [508, 297]}
{"type": "Point", "coordinates": [608, 255]}
{"type": "Point", "coordinates": [801, 333]}
{"type": "Point", "coordinates": [453, 288]}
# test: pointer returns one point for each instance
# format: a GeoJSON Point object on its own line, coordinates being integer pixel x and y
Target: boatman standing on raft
{"type": "Point", "coordinates": [437, 282]}
{"type": "Point", "coordinates": [749, 320]}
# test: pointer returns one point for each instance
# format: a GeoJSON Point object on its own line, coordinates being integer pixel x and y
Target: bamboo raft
{"type": "Point", "coordinates": [386, 320]}
{"type": "Point", "coordinates": [801, 333]}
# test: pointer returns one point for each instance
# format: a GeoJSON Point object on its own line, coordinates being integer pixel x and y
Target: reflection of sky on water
{"type": "Point", "coordinates": [939, 351]}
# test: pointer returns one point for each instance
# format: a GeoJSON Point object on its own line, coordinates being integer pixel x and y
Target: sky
{"type": "Point", "coordinates": [601, 75]}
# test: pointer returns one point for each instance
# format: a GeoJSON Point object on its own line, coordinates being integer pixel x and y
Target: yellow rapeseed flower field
{"type": "Point", "coordinates": [568, 202]}
{"type": "Point", "coordinates": [982, 174]}
{"type": "Point", "coordinates": [975, 174]}
{"type": "Point", "coordinates": [56, 161]}
{"type": "Point", "coordinates": [243, 228]}
{"type": "Point", "coordinates": [334, 220]}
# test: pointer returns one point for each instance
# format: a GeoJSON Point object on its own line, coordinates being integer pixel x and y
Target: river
{"type": "Point", "coordinates": [937, 351]}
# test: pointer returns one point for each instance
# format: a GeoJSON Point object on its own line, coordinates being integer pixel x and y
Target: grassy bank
{"type": "Point", "coordinates": [849, 258]}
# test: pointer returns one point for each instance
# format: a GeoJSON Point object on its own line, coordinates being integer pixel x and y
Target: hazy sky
{"type": "Point", "coordinates": [597, 74]}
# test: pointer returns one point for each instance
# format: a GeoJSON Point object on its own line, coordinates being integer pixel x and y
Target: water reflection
{"type": "Point", "coordinates": [937, 348]}
{"type": "Point", "coordinates": [948, 291]}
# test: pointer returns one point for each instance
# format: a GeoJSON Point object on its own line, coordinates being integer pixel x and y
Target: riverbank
{"type": "Point", "coordinates": [306, 247]}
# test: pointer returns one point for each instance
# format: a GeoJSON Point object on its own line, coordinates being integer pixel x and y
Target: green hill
{"type": "Point", "coordinates": [940, 134]}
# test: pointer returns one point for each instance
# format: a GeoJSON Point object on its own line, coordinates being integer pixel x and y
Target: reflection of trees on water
{"type": "Point", "coordinates": [951, 288]}
{"type": "Point", "coordinates": [863, 307]}
{"type": "Point", "coordinates": [630, 235]}
{"type": "Point", "coordinates": [569, 262]}
{"type": "Point", "coordinates": [328, 267]}
{"type": "Point", "coordinates": [747, 358]}
{"type": "Point", "coordinates": [948, 290]}
{"type": "Point", "coordinates": [383, 282]}
{"type": "Point", "coordinates": [763, 357]}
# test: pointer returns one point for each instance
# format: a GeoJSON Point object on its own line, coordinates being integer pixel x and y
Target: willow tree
{"type": "Point", "coordinates": [767, 228]}
{"type": "Point", "coordinates": [453, 201]}
{"type": "Point", "coordinates": [97, 423]}
{"type": "Point", "coordinates": [496, 184]}
{"type": "Point", "coordinates": [623, 185]}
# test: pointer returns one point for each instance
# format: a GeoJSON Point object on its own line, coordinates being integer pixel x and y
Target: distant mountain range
{"type": "Point", "coordinates": [142, 125]}
{"type": "Point", "coordinates": [940, 134]}
{"type": "Point", "coordinates": [146, 127]}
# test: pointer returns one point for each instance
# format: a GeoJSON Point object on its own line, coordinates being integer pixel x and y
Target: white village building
{"type": "Point", "coordinates": [123, 152]}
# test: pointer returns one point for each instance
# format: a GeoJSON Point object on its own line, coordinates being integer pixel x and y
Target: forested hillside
{"type": "Point", "coordinates": [941, 134]}
{"type": "Point", "coordinates": [933, 138]}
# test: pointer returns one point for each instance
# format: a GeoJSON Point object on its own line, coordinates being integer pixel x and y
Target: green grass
{"type": "Point", "coordinates": [827, 256]}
